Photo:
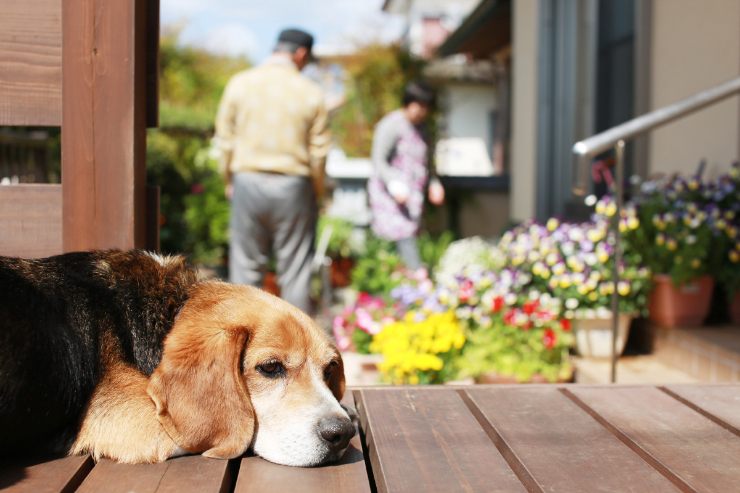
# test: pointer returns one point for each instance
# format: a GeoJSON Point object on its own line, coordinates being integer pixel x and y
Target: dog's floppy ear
{"type": "Point", "coordinates": [336, 380]}
{"type": "Point", "coordinates": [199, 393]}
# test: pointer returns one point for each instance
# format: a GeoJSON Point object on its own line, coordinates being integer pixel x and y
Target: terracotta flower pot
{"type": "Point", "coordinates": [594, 335]}
{"type": "Point", "coordinates": [341, 269]}
{"type": "Point", "coordinates": [684, 306]}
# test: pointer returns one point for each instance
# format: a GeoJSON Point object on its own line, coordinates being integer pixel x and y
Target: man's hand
{"type": "Point", "coordinates": [229, 192]}
{"type": "Point", "coordinates": [436, 193]}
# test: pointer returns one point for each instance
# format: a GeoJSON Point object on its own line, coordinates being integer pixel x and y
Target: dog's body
{"type": "Point", "coordinates": [131, 356]}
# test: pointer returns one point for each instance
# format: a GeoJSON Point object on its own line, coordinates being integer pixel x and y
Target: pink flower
{"type": "Point", "coordinates": [365, 320]}
{"type": "Point", "coordinates": [466, 291]}
{"type": "Point", "coordinates": [363, 298]}
{"type": "Point", "coordinates": [343, 343]}
{"type": "Point", "coordinates": [338, 322]}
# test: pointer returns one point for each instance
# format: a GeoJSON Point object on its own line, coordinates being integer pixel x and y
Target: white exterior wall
{"type": "Point", "coordinates": [469, 110]}
{"type": "Point", "coordinates": [523, 147]}
{"type": "Point", "coordinates": [695, 45]}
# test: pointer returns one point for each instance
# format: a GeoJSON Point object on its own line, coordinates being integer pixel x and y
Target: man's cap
{"type": "Point", "coordinates": [298, 37]}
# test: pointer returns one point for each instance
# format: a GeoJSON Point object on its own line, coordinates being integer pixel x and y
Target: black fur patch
{"type": "Point", "coordinates": [63, 319]}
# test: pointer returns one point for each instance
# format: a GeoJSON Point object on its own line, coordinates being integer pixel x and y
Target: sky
{"type": "Point", "coordinates": [251, 27]}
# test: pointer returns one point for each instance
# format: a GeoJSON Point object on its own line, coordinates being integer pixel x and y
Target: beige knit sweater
{"type": "Point", "coordinates": [273, 119]}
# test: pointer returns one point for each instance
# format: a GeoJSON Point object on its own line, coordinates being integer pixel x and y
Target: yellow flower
{"type": "Point", "coordinates": [611, 209]}
{"type": "Point", "coordinates": [696, 263]}
{"type": "Point", "coordinates": [552, 224]}
{"type": "Point", "coordinates": [633, 222]}
{"type": "Point", "coordinates": [623, 288]}
{"type": "Point", "coordinates": [734, 256]}
{"type": "Point", "coordinates": [671, 244]}
{"type": "Point", "coordinates": [593, 296]}
{"type": "Point", "coordinates": [660, 239]}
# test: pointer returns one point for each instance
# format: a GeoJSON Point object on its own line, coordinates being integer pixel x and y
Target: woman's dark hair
{"type": "Point", "coordinates": [418, 91]}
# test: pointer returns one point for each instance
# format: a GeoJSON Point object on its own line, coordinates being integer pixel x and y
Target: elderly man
{"type": "Point", "coordinates": [272, 130]}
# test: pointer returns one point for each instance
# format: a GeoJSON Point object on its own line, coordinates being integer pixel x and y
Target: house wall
{"type": "Point", "coordinates": [469, 109]}
{"type": "Point", "coordinates": [695, 45]}
{"type": "Point", "coordinates": [484, 214]}
{"type": "Point", "coordinates": [523, 150]}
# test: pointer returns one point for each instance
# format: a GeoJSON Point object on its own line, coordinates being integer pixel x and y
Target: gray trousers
{"type": "Point", "coordinates": [408, 250]}
{"type": "Point", "coordinates": [274, 213]}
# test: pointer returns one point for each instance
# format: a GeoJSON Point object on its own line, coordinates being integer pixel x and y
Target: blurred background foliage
{"type": "Point", "coordinates": [193, 210]}
{"type": "Point", "coordinates": [180, 160]}
{"type": "Point", "coordinates": [375, 76]}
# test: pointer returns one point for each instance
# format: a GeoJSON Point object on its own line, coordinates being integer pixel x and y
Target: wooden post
{"type": "Point", "coordinates": [104, 130]}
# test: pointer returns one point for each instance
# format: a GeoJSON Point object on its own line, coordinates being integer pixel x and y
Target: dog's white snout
{"type": "Point", "coordinates": [336, 432]}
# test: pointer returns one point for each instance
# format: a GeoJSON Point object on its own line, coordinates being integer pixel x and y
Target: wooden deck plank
{"type": "Point", "coordinates": [44, 475]}
{"type": "Point", "coordinates": [197, 473]}
{"type": "Point", "coordinates": [551, 442]}
{"type": "Point", "coordinates": [681, 441]}
{"type": "Point", "coordinates": [349, 474]}
{"type": "Point", "coordinates": [720, 403]}
{"type": "Point", "coordinates": [427, 440]}
{"type": "Point", "coordinates": [111, 477]}
{"type": "Point", "coordinates": [191, 473]}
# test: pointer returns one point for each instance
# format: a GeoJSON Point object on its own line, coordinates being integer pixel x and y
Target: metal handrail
{"type": "Point", "coordinates": [607, 139]}
{"type": "Point", "coordinates": [615, 137]}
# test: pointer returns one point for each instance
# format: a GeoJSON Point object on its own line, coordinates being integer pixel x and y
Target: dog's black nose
{"type": "Point", "coordinates": [337, 432]}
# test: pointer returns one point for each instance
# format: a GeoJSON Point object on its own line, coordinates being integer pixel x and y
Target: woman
{"type": "Point", "coordinates": [401, 172]}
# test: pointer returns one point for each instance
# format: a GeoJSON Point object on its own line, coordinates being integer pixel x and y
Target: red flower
{"type": "Point", "coordinates": [565, 324]}
{"type": "Point", "coordinates": [527, 326]}
{"type": "Point", "coordinates": [509, 316]}
{"type": "Point", "coordinates": [549, 338]}
{"type": "Point", "coordinates": [363, 298]}
{"type": "Point", "coordinates": [530, 306]}
{"type": "Point", "coordinates": [498, 304]}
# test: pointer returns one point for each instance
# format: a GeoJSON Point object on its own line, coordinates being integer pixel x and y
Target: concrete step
{"type": "Point", "coordinates": [709, 354]}
{"type": "Point", "coordinates": [630, 369]}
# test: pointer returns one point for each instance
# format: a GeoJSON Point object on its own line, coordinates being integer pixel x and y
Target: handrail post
{"type": "Point", "coordinates": [619, 165]}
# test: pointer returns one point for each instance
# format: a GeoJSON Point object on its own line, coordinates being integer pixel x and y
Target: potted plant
{"type": "Point", "coordinates": [573, 262]}
{"type": "Point", "coordinates": [345, 245]}
{"type": "Point", "coordinates": [420, 348]}
{"type": "Point", "coordinates": [679, 223]}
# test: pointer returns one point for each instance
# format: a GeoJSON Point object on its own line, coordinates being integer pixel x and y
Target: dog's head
{"type": "Point", "coordinates": [243, 367]}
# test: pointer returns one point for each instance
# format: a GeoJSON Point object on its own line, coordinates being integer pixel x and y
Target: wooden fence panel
{"type": "Point", "coordinates": [31, 62]}
{"type": "Point", "coordinates": [30, 220]}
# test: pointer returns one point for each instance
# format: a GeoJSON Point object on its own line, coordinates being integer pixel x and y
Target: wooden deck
{"type": "Point", "coordinates": [479, 438]}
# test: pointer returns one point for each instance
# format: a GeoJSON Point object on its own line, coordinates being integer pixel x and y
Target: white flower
{"type": "Point", "coordinates": [571, 303]}
{"type": "Point", "coordinates": [510, 298]}
{"type": "Point", "coordinates": [603, 312]}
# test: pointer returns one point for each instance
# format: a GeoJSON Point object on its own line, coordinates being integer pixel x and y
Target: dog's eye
{"type": "Point", "coordinates": [273, 369]}
{"type": "Point", "coordinates": [327, 370]}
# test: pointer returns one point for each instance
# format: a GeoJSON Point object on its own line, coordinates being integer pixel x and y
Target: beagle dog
{"type": "Point", "coordinates": [132, 356]}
